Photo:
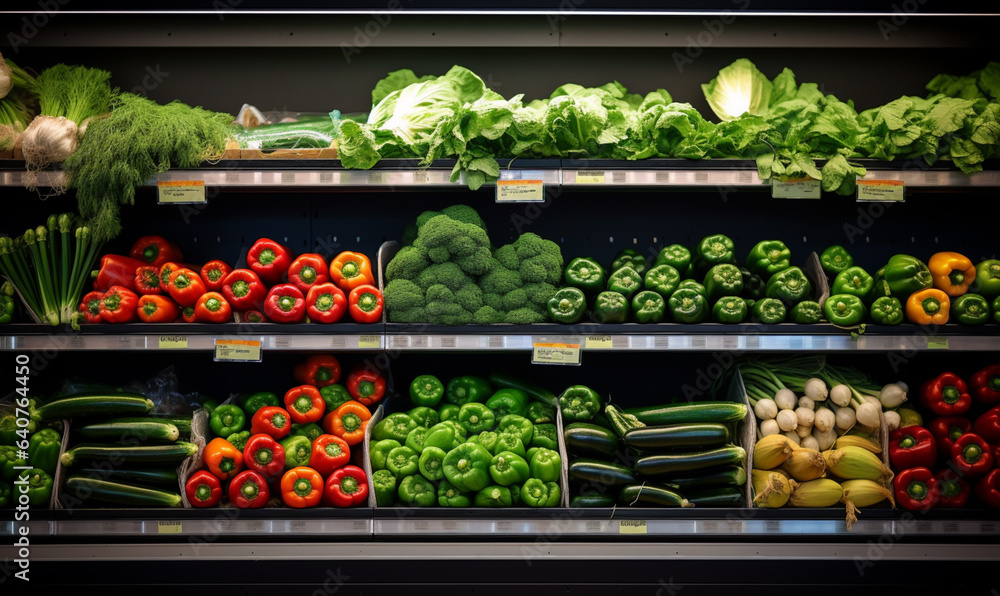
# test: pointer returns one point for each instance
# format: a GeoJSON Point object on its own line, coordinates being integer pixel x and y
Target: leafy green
{"type": "Point", "coordinates": [738, 89]}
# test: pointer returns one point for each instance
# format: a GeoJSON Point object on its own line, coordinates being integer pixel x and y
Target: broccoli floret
{"type": "Point", "coordinates": [403, 294]}
{"type": "Point", "coordinates": [470, 297]}
{"type": "Point", "coordinates": [494, 301]}
{"type": "Point", "coordinates": [407, 264]}
{"type": "Point", "coordinates": [460, 239]}
{"type": "Point", "coordinates": [444, 307]}
{"type": "Point", "coordinates": [524, 316]}
{"type": "Point", "coordinates": [448, 274]}
{"type": "Point", "coordinates": [541, 268]}
{"type": "Point", "coordinates": [411, 315]}
{"type": "Point", "coordinates": [425, 217]}
{"type": "Point", "coordinates": [478, 262]}
{"type": "Point", "coordinates": [531, 244]}
{"type": "Point", "coordinates": [487, 316]}
{"type": "Point", "coordinates": [500, 280]}
{"type": "Point", "coordinates": [540, 293]}
{"type": "Point", "coordinates": [465, 214]}
{"type": "Point", "coordinates": [515, 299]}
{"type": "Point", "coordinates": [462, 317]}
{"type": "Point", "coordinates": [507, 257]}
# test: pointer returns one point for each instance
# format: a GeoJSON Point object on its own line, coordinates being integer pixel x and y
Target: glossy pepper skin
{"type": "Point", "coordinates": [768, 257]}
{"type": "Point", "coordinates": [904, 275]}
{"type": "Point", "coordinates": [539, 413]}
{"type": "Point", "coordinates": [5, 494]}
{"type": "Point", "coordinates": [43, 449]}
{"type": "Point", "coordinates": [249, 490]}
{"type": "Point", "coordinates": [256, 401]}
{"type": "Point", "coordinates": [384, 484]}
{"type": "Point", "coordinates": [928, 307]}
{"type": "Point", "coordinates": [984, 385]}
{"type": "Point", "coordinates": [298, 451]}
{"type": "Point", "coordinates": [789, 286]}
{"type": "Point", "coordinates": [302, 487]}
{"type": "Point", "coordinates": [117, 270]}
{"type": "Point", "coordinates": [461, 390]}
{"type": "Point", "coordinates": [912, 447]}
{"type": "Point", "coordinates": [310, 430]}
{"type": "Point", "coordinates": [425, 415]}
{"type": "Point", "coordinates": [996, 309]}
{"type": "Point", "coordinates": [508, 400]}
{"type": "Point", "coordinates": [403, 461]}
{"type": "Point", "coordinates": [269, 260]}
{"type": "Point", "coordinates": [214, 273]}
{"type": "Point", "coordinates": [253, 316]}
{"type": "Point", "coordinates": [365, 304]}
{"type": "Point", "coordinates": [946, 429]}
{"type": "Point", "coordinates": [507, 468]}
{"type": "Point", "coordinates": [325, 303]}
{"type": "Point", "coordinates": [853, 280]}
{"type": "Point", "coordinates": [536, 493]}
{"type": "Point", "coordinates": [426, 390]}
{"type": "Point", "coordinates": [946, 395]}
{"type": "Point", "coordinates": [346, 487]}
{"type": "Point", "coordinates": [156, 309]}
{"type": "Point", "coordinates": [334, 395]}
{"type": "Point", "coordinates": [351, 269]}
{"type": "Point", "coordinates": [951, 272]}
{"type": "Point", "coordinates": [119, 305]}
{"type": "Point", "coordinates": [244, 290]}
{"type": "Point", "coordinates": [769, 311]}
{"type": "Point", "coordinates": [226, 420]}
{"type": "Point", "coordinates": [239, 440]}
{"type": "Point", "coordinates": [212, 307]}
{"type": "Point", "coordinates": [662, 279]}
{"type": "Point", "coordinates": [467, 467]}
{"type": "Point", "coordinates": [610, 307]}
{"type": "Point", "coordinates": [318, 370]}
{"type": "Point", "coordinates": [285, 304]}
{"type": "Point", "coordinates": [304, 404]}
{"type": "Point", "coordinates": [348, 422]}
{"type": "Point", "coordinates": [546, 465]}
{"type": "Point", "coordinates": [449, 496]}
{"type": "Point", "coordinates": [155, 250]}
{"type": "Point", "coordinates": [271, 420]}
{"type": "Point", "coordinates": [394, 426]}
{"type": "Point", "coordinates": [835, 259]}
{"type": "Point", "coordinates": [147, 281]}
{"type": "Point", "coordinates": [953, 490]}
{"type": "Point", "coordinates": [203, 489]}
{"type": "Point", "coordinates": [971, 456]}
{"type": "Point", "coordinates": [365, 384]}
{"type": "Point", "coordinates": [379, 452]}
{"type": "Point", "coordinates": [585, 274]}
{"type": "Point", "coordinates": [516, 426]}
{"type": "Point", "coordinates": [222, 458]}
{"type": "Point", "coordinates": [723, 280]}
{"type": "Point", "coordinates": [40, 486]}
{"type": "Point", "coordinates": [494, 496]}
{"type": "Point", "coordinates": [688, 306]}
{"type": "Point", "coordinates": [988, 489]}
{"type": "Point", "coordinates": [626, 281]}
{"type": "Point", "coordinates": [845, 310]}
{"type": "Point", "coordinates": [649, 307]}
{"type": "Point", "coordinates": [567, 306]}
{"type": "Point", "coordinates": [987, 282]}
{"type": "Point", "coordinates": [970, 309]}
{"type": "Point", "coordinates": [887, 310]}
{"type": "Point", "coordinates": [807, 312]}
{"type": "Point", "coordinates": [544, 435]}
{"type": "Point", "coordinates": [90, 307]}
{"type": "Point", "coordinates": [729, 310]}
{"type": "Point", "coordinates": [675, 255]}
{"type": "Point", "coordinates": [430, 464]}
{"type": "Point", "coordinates": [185, 287]}
{"type": "Point", "coordinates": [308, 270]}
{"type": "Point", "coordinates": [476, 417]}
{"type": "Point", "coordinates": [915, 489]}
{"type": "Point", "coordinates": [753, 284]}
{"type": "Point", "coordinates": [416, 491]}
{"type": "Point", "coordinates": [713, 250]}
{"type": "Point", "coordinates": [579, 403]}
{"type": "Point", "coordinates": [630, 257]}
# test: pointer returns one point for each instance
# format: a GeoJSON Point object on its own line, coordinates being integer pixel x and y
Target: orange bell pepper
{"type": "Point", "coordinates": [351, 269]}
{"type": "Point", "coordinates": [301, 487]}
{"type": "Point", "coordinates": [157, 309]}
{"type": "Point", "coordinates": [223, 459]}
{"type": "Point", "coordinates": [952, 272]}
{"type": "Point", "coordinates": [304, 404]}
{"type": "Point", "coordinates": [348, 422]}
{"type": "Point", "coordinates": [928, 307]}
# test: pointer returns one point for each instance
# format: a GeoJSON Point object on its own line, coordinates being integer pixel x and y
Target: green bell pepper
{"type": "Point", "coordinates": [517, 426]}
{"type": "Point", "coordinates": [688, 306]}
{"type": "Point", "coordinates": [675, 255]}
{"type": "Point", "coordinates": [987, 283]}
{"type": "Point", "coordinates": [807, 312]}
{"type": "Point", "coordinates": [626, 281]}
{"type": "Point", "coordinates": [5, 495]}
{"type": "Point", "coordinates": [768, 257]}
{"type": "Point", "coordinates": [462, 390]}
{"type": "Point", "coordinates": [8, 461]}
{"type": "Point", "coordinates": [494, 496]}
{"type": "Point", "coordinates": [662, 279]}
{"type": "Point", "coordinates": [968, 309]}
{"type": "Point", "coordinates": [298, 451]}
{"type": "Point", "coordinates": [417, 491]}
{"type": "Point", "coordinates": [416, 438]}
{"type": "Point", "coordinates": [509, 442]}
{"type": "Point", "coordinates": [996, 309]}
{"type": "Point", "coordinates": [508, 401]}
{"type": "Point", "coordinates": [545, 435]}
{"type": "Point", "coordinates": [536, 493]}
{"type": "Point", "coordinates": [380, 450]}
{"type": "Point", "coordinates": [402, 461]}
{"type": "Point", "coordinates": [713, 250]}
{"type": "Point", "coordinates": [730, 310]}
{"type": "Point", "coordinates": [426, 390]}
{"type": "Point", "coordinates": [468, 467]}
{"type": "Point", "coordinates": [690, 284]}
{"type": "Point", "coordinates": [546, 465]}
{"type": "Point", "coordinates": [509, 468]}
{"type": "Point", "coordinates": [394, 426]}
{"type": "Point", "coordinates": [853, 280]}
{"type": "Point", "coordinates": [449, 496]}
{"type": "Point", "coordinates": [309, 430]}
{"type": "Point", "coordinates": [845, 310]}
{"type": "Point", "coordinates": [769, 311]}
{"type": "Point", "coordinates": [789, 286]}
{"type": "Point", "coordinates": [579, 403]}
{"type": "Point", "coordinates": [6, 303]}
{"type": "Point", "coordinates": [649, 307]}
{"type": "Point", "coordinates": [753, 284]}
{"type": "Point", "coordinates": [540, 413]}
{"type": "Point", "coordinates": [567, 306]}
{"type": "Point", "coordinates": [424, 416]}
{"type": "Point", "coordinates": [905, 275]}
{"type": "Point", "coordinates": [476, 418]}
{"type": "Point", "coordinates": [431, 463]}
{"type": "Point", "coordinates": [835, 259]}
{"type": "Point", "coordinates": [255, 401]}
{"type": "Point", "coordinates": [630, 257]}
{"type": "Point", "coordinates": [489, 439]}
{"type": "Point", "coordinates": [888, 310]}
{"type": "Point", "coordinates": [610, 307]}
{"type": "Point", "coordinates": [334, 396]}
{"type": "Point", "coordinates": [443, 436]}
{"type": "Point", "coordinates": [384, 484]}
{"type": "Point", "coordinates": [8, 428]}
{"type": "Point", "coordinates": [210, 405]}
{"type": "Point", "coordinates": [586, 274]}
{"type": "Point", "coordinates": [723, 280]}
{"type": "Point", "coordinates": [239, 440]}
{"type": "Point", "coordinates": [226, 420]}
{"type": "Point", "coordinates": [39, 487]}
{"type": "Point", "coordinates": [43, 449]}
{"type": "Point", "coordinates": [447, 412]}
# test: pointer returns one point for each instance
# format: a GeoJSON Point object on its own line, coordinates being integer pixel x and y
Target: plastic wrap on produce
{"type": "Point", "coordinates": [199, 434]}
{"type": "Point", "coordinates": [366, 449]}
{"type": "Point", "coordinates": [814, 271]}
{"type": "Point", "coordinates": [748, 435]}
{"type": "Point", "coordinates": [564, 473]}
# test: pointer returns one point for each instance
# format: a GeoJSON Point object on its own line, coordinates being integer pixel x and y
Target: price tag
{"type": "Point", "coordinates": [173, 342]}
{"type": "Point", "coordinates": [884, 191]}
{"type": "Point", "coordinates": [169, 527]}
{"type": "Point", "coordinates": [796, 188]}
{"type": "Point", "coordinates": [237, 350]}
{"type": "Point", "coordinates": [632, 526]}
{"type": "Point", "coordinates": [181, 192]}
{"type": "Point", "coordinates": [555, 354]}
{"type": "Point", "coordinates": [598, 342]}
{"type": "Point", "coordinates": [937, 343]}
{"type": "Point", "coordinates": [520, 191]}
{"type": "Point", "coordinates": [370, 341]}
{"type": "Point", "coordinates": [590, 177]}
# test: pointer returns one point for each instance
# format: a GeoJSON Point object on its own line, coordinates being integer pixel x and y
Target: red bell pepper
{"type": "Point", "coordinates": [953, 490]}
{"type": "Point", "coordinates": [269, 260]}
{"type": "Point", "coordinates": [116, 270]}
{"type": "Point", "coordinates": [946, 395]}
{"type": "Point", "coordinates": [253, 316]}
{"type": "Point", "coordinates": [365, 304]}
{"type": "Point", "coordinates": [366, 384]}
{"type": "Point", "coordinates": [203, 489]}
{"type": "Point", "coordinates": [971, 456]}
{"type": "Point", "coordinates": [301, 487]}
{"type": "Point", "coordinates": [249, 490]}
{"type": "Point", "coordinates": [915, 489]}
{"type": "Point", "coordinates": [187, 314]}
{"type": "Point", "coordinates": [214, 273]}
{"type": "Point", "coordinates": [308, 270]}
{"type": "Point", "coordinates": [346, 487]}
{"type": "Point", "coordinates": [988, 489]}
{"type": "Point", "coordinates": [147, 280]}
{"type": "Point", "coordinates": [946, 430]}
{"type": "Point", "coordinates": [912, 447]}
{"type": "Point", "coordinates": [90, 307]}
{"type": "Point", "coordinates": [185, 287]}
{"type": "Point", "coordinates": [244, 290]}
{"type": "Point", "coordinates": [987, 425]}
{"type": "Point", "coordinates": [318, 370]}
{"type": "Point", "coordinates": [212, 307]}
{"type": "Point", "coordinates": [984, 385]}
{"type": "Point", "coordinates": [329, 452]}
{"type": "Point", "coordinates": [166, 270]}
{"type": "Point", "coordinates": [285, 304]}
{"type": "Point", "coordinates": [157, 309]}
{"type": "Point", "coordinates": [325, 303]}
{"type": "Point", "coordinates": [271, 420]}
{"type": "Point", "coordinates": [155, 250]}
{"type": "Point", "coordinates": [304, 404]}
{"type": "Point", "coordinates": [118, 305]}
{"type": "Point", "coordinates": [265, 455]}
{"type": "Point", "coordinates": [349, 422]}
{"type": "Point", "coordinates": [351, 269]}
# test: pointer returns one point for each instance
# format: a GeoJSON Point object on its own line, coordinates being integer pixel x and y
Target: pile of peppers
{"type": "Point", "coordinates": [955, 459]}
{"type": "Point", "coordinates": [27, 481]}
{"type": "Point", "coordinates": [296, 448]}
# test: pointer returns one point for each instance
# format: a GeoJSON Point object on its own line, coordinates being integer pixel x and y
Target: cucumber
{"type": "Point", "coordinates": [534, 391]}
{"type": "Point", "coordinates": [98, 404]}
{"type": "Point", "coordinates": [183, 423]}
{"type": "Point", "coordinates": [166, 454]}
{"type": "Point", "coordinates": [592, 499]}
{"type": "Point", "coordinates": [716, 497]}
{"type": "Point", "coordinates": [695, 434]}
{"type": "Point", "coordinates": [155, 476]}
{"type": "Point", "coordinates": [621, 422]}
{"type": "Point", "coordinates": [706, 411]}
{"type": "Point", "coordinates": [314, 134]}
{"type": "Point", "coordinates": [651, 494]}
{"type": "Point", "coordinates": [122, 494]}
{"type": "Point", "coordinates": [604, 473]}
{"type": "Point", "coordinates": [732, 476]}
{"type": "Point", "coordinates": [663, 464]}
{"type": "Point", "coordinates": [589, 439]}
{"type": "Point", "coordinates": [153, 431]}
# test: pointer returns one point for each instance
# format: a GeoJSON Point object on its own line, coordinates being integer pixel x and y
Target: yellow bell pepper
{"type": "Point", "coordinates": [952, 272]}
{"type": "Point", "coordinates": [927, 307]}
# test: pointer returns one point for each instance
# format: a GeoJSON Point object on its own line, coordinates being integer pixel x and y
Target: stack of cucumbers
{"type": "Point", "coordinates": [676, 455]}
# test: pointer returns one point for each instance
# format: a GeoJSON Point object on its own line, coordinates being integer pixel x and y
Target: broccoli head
{"type": "Point", "coordinates": [465, 214]}
{"type": "Point", "coordinates": [539, 294]}
{"type": "Point", "coordinates": [494, 301]}
{"type": "Point", "coordinates": [539, 260]}
{"type": "Point", "coordinates": [470, 297]}
{"type": "Point", "coordinates": [507, 256]}
{"type": "Point", "coordinates": [410, 315]}
{"type": "Point", "coordinates": [425, 217]}
{"type": "Point", "coordinates": [479, 262]}
{"type": "Point", "coordinates": [408, 263]}
{"type": "Point", "coordinates": [500, 280]}
{"type": "Point", "coordinates": [447, 274]}
{"type": "Point", "coordinates": [487, 316]}
{"type": "Point", "coordinates": [524, 316]}
{"type": "Point", "coordinates": [515, 299]}
{"type": "Point", "coordinates": [403, 294]}
{"type": "Point", "coordinates": [458, 238]}
{"type": "Point", "coordinates": [445, 307]}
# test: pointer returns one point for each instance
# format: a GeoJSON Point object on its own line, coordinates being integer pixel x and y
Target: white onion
{"type": "Point", "coordinates": [892, 419]}
{"type": "Point", "coordinates": [805, 402]}
{"type": "Point", "coordinates": [803, 431]}
{"type": "Point", "coordinates": [6, 78]}
{"type": "Point", "coordinates": [846, 418]}
{"type": "Point", "coordinates": [867, 415]}
{"type": "Point", "coordinates": [810, 442]}
{"type": "Point", "coordinates": [793, 437]}
{"type": "Point", "coordinates": [892, 395]}
{"type": "Point", "coordinates": [826, 439]}
{"type": "Point", "coordinates": [785, 399]}
{"type": "Point", "coordinates": [805, 416]}
{"type": "Point", "coordinates": [824, 419]}
{"type": "Point", "coordinates": [816, 389]}
{"type": "Point", "coordinates": [49, 140]}
{"type": "Point", "coordinates": [765, 409]}
{"type": "Point", "coordinates": [769, 427]}
{"type": "Point", "coordinates": [787, 420]}
{"type": "Point", "coordinates": [841, 395]}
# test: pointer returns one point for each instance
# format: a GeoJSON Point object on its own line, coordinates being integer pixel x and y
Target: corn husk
{"type": "Point", "coordinates": [805, 464]}
{"type": "Point", "coordinates": [772, 451]}
{"type": "Point", "coordinates": [865, 493]}
{"type": "Point", "coordinates": [853, 462]}
{"type": "Point", "coordinates": [858, 441]}
{"type": "Point", "coordinates": [771, 489]}
{"type": "Point", "coordinates": [822, 492]}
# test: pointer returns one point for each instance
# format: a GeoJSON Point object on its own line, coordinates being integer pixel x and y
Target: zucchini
{"type": "Point", "coordinates": [706, 411]}
{"type": "Point", "coordinates": [604, 473]}
{"type": "Point", "coordinates": [592, 499]}
{"type": "Point", "coordinates": [716, 497]}
{"type": "Point", "coordinates": [122, 494]}
{"type": "Point", "coordinates": [153, 431]}
{"type": "Point", "coordinates": [663, 464]}
{"type": "Point", "coordinates": [183, 423]}
{"type": "Point", "coordinates": [155, 476]}
{"type": "Point", "coordinates": [589, 439]}
{"type": "Point", "coordinates": [695, 434]}
{"type": "Point", "coordinates": [143, 454]}
{"type": "Point", "coordinates": [732, 476]}
{"type": "Point", "coordinates": [97, 404]}
{"type": "Point", "coordinates": [621, 422]}
{"type": "Point", "coordinates": [533, 390]}
{"type": "Point", "coordinates": [651, 494]}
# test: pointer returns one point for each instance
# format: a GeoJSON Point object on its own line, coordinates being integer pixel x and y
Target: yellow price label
{"type": "Point", "coordinates": [369, 341]}
{"type": "Point", "coordinates": [173, 342]}
{"type": "Point", "coordinates": [891, 191]}
{"type": "Point", "coordinates": [589, 177]}
{"type": "Point", "coordinates": [181, 191]}
{"type": "Point", "coordinates": [555, 354]}
{"type": "Point", "coordinates": [796, 188]}
{"type": "Point", "coordinates": [520, 191]}
{"type": "Point", "coordinates": [597, 342]}
{"type": "Point", "coordinates": [169, 527]}
{"type": "Point", "coordinates": [237, 350]}
{"type": "Point", "coordinates": [632, 526]}
{"type": "Point", "coordinates": [937, 343]}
